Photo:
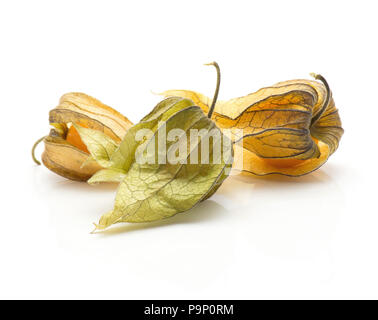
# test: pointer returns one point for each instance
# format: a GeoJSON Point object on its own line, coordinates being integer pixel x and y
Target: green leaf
{"type": "Point", "coordinates": [152, 190]}
{"type": "Point", "coordinates": [107, 175]}
{"type": "Point", "coordinates": [88, 161]}
{"type": "Point", "coordinates": [125, 154]}
{"type": "Point", "coordinates": [100, 146]}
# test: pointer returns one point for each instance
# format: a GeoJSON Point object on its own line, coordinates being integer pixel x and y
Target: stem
{"type": "Point", "coordinates": [211, 110]}
{"type": "Point", "coordinates": [326, 101]}
{"type": "Point", "coordinates": [33, 150]}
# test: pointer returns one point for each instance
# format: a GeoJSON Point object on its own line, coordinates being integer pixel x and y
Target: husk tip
{"type": "Point", "coordinates": [95, 229]}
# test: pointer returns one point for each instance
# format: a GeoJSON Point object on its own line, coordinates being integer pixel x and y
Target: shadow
{"type": "Point", "coordinates": [83, 186]}
{"type": "Point", "coordinates": [339, 169]}
{"type": "Point", "coordinates": [313, 177]}
{"type": "Point", "coordinates": [204, 211]}
{"type": "Point", "coordinates": [242, 182]}
{"type": "Point", "coordinates": [45, 180]}
{"type": "Point", "coordinates": [74, 205]}
{"type": "Point", "coordinates": [279, 181]}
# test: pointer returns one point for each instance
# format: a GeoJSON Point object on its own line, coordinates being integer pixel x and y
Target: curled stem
{"type": "Point", "coordinates": [211, 110]}
{"type": "Point", "coordinates": [33, 150]}
{"type": "Point", "coordinates": [326, 101]}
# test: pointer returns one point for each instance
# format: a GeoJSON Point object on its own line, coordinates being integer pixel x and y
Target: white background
{"type": "Point", "coordinates": [309, 237]}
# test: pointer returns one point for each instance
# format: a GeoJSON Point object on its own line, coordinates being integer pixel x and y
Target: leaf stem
{"type": "Point", "coordinates": [33, 150]}
{"type": "Point", "coordinates": [211, 110]}
{"type": "Point", "coordinates": [326, 101]}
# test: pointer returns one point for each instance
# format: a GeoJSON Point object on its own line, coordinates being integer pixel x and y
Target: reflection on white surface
{"type": "Point", "coordinates": [251, 225]}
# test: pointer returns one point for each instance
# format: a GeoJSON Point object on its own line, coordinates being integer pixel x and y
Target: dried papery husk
{"type": "Point", "coordinates": [65, 153]}
{"type": "Point", "coordinates": [67, 161]}
{"type": "Point", "coordinates": [89, 112]}
{"type": "Point", "coordinates": [290, 128]}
